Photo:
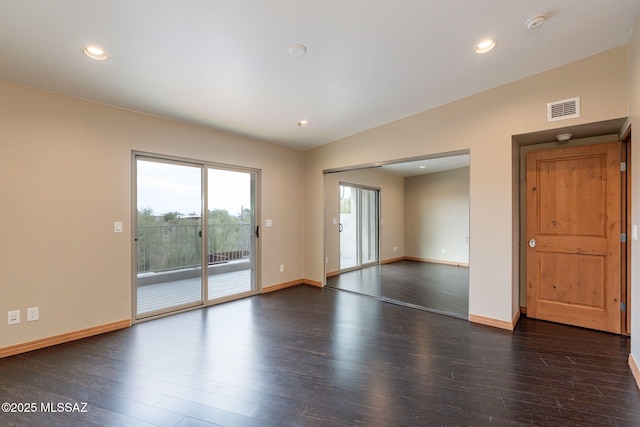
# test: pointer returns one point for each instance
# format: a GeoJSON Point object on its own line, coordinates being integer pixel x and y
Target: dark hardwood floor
{"type": "Point", "coordinates": [306, 356]}
{"type": "Point", "coordinates": [439, 288]}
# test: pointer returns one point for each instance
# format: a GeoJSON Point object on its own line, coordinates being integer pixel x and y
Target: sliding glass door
{"type": "Point", "coordinates": [195, 235]}
{"type": "Point", "coordinates": [231, 229]}
{"type": "Point", "coordinates": [368, 225]}
{"type": "Point", "coordinates": [358, 227]}
{"type": "Point", "coordinates": [168, 226]}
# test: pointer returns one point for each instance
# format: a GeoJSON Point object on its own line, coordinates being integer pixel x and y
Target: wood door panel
{"type": "Point", "coordinates": [585, 317]}
{"type": "Point", "coordinates": [573, 245]}
{"type": "Point", "coordinates": [566, 209]}
{"type": "Point", "coordinates": [572, 279]}
{"type": "Point", "coordinates": [574, 217]}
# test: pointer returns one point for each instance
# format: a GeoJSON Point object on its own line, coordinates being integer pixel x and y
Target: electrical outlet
{"type": "Point", "coordinates": [13, 317]}
{"type": "Point", "coordinates": [281, 268]}
{"type": "Point", "coordinates": [33, 314]}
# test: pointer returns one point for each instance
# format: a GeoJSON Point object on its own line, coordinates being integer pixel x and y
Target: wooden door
{"type": "Point", "coordinates": [573, 236]}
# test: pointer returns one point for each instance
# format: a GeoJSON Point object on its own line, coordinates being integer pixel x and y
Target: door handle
{"type": "Point", "coordinates": [257, 231]}
{"type": "Point", "coordinates": [532, 243]}
{"type": "Point", "coordinates": [340, 227]}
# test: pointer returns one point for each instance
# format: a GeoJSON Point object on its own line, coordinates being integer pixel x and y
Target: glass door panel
{"type": "Point", "coordinates": [349, 227]}
{"type": "Point", "coordinates": [369, 226]}
{"type": "Point", "coordinates": [231, 241]}
{"type": "Point", "coordinates": [358, 226]}
{"type": "Point", "coordinates": [168, 236]}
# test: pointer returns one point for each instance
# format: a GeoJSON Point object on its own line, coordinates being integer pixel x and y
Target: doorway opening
{"type": "Point", "coordinates": [535, 258]}
{"type": "Point", "coordinates": [423, 232]}
{"type": "Point", "coordinates": [195, 234]}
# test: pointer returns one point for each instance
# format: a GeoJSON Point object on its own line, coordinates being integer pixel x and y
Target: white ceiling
{"type": "Point", "coordinates": [427, 165]}
{"type": "Point", "coordinates": [226, 63]}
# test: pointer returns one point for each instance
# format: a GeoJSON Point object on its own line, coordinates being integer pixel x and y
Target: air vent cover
{"type": "Point", "coordinates": [565, 109]}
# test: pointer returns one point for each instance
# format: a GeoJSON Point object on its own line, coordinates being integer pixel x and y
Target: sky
{"type": "Point", "coordinates": [167, 187]}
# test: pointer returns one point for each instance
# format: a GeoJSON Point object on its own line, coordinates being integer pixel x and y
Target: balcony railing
{"type": "Point", "coordinates": [168, 247]}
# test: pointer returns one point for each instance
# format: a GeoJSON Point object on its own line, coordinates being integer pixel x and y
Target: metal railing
{"type": "Point", "coordinates": [175, 246]}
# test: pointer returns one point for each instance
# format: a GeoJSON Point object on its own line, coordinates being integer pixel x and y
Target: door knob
{"type": "Point", "coordinates": [532, 243]}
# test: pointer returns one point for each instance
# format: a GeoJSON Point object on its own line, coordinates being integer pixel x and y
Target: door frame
{"type": "Point", "coordinates": [626, 248]}
{"type": "Point", "coordinates": [205, 165]}
{"type": "Point", "coordinates": [592, 244]}
{"type": "Point", "coordinates": [589, 134]}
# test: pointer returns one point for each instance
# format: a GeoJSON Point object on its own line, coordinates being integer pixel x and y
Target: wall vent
{"type": "Point", "coordinates": [565, 109]}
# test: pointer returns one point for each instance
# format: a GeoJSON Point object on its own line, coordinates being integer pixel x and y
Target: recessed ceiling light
{"type": "Point", "coordinates": [95, 53]}
{"type": "Point", "coordinates": [304, 123]}
{"type": "Point", "coordinates": [297, 50]}
{"type": "Point", "coordinates": [486, 46]}
{"type": "Point", "coordinates": [423, 167]}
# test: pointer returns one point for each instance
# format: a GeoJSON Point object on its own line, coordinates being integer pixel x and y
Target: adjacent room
{"type": "Point", "coordinates": [399, 232]}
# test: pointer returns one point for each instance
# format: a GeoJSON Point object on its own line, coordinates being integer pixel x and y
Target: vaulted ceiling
{"type": "Point", "coordinates": [258, 67]}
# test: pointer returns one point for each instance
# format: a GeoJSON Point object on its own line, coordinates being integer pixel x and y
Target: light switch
{"type": "Point", "coordinates": [335, 221]}
{"type": "Point", "coordinates": [117, 227]}
{"type": "Point", "coordinates": [268, 223]}
{"type": "Point", "coordinates": [634, 232]}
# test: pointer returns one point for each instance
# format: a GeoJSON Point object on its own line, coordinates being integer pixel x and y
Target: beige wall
{"type": "Point", "coordinates": [392, 215]}
{"type": "Point", "coordinates": [65, 177]}
{"type": "Point", "coordinates": [391, 212]}
{"type": "Point", "coordinates": [437, 216]}
{"type": "Point", "coordinates": [634, 113]}
{"type": "Point", "coordinates": [484, 125]}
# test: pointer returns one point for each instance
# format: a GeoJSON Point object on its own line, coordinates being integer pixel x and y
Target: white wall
{"type": "Point", "coordinates": [437, 216]}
